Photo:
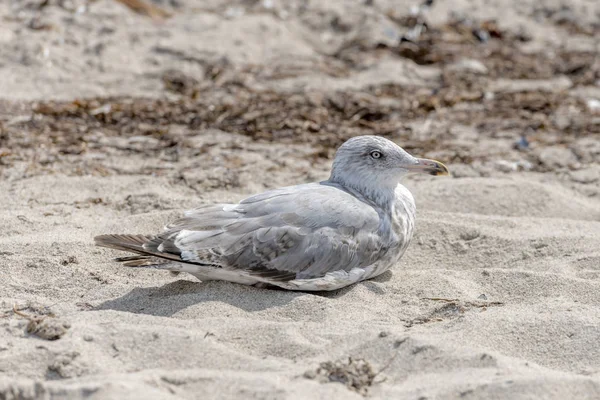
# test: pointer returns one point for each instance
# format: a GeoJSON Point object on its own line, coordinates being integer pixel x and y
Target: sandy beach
{"type": "Point", "coordinates": [115, 120]}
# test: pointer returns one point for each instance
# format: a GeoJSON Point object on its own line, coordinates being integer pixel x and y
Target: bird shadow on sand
{"type": "Point", "coordinates": [173, 297]}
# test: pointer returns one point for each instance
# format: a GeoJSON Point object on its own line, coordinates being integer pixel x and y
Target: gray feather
{"type": "Point", "coordinates": [348, 222]}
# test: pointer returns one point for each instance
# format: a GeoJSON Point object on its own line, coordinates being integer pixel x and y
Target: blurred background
{"type": "Point", "coordinates": [168, 87]}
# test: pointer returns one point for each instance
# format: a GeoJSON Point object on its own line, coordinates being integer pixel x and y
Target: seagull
{"type": "Point", "coordinates": [318, 236]}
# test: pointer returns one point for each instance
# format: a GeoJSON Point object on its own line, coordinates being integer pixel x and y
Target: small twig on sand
{"type": "Point", "coordinates": [44, 326]}
{"type": "Point", "coordinates": [386, 366]}
{"type": "Point", "coordinates": [27, 317]}
{"type": "Point", "coordinates": [481, 304]}
{"type": "Point", "coordinates": [440, 299]}
{"type": "Point", "coordinates": [143, 8]}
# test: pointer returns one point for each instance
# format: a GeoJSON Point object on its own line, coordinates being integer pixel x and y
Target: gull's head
{"type": "Point", "coordinates": [365, 161]}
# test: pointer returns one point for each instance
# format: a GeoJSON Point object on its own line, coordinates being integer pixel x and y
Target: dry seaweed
{"type": "Point", "coordinates": [45, 326]}
{"type": "Point", "coordinates": [46, 133]}
{"type": "Point", "coordinates": [356, 374]}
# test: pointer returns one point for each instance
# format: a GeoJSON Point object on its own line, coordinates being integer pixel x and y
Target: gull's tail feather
{"type": "Point", "coordinates": [148, 262]}
{"type": "Point", "coordinates": [133, 243]}
{"type": "Point", "coordinates": [137, 261]}
{"type": "Point", "coordinates": [146, 246]}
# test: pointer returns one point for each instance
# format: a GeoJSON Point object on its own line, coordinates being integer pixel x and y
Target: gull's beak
{"type": "Point", "coordinates": [431, 167]}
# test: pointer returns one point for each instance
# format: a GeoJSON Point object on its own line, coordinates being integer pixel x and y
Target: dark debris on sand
{"type": "Point", "coordinates": [225, 100]}
{"type": "Point", "coordinates": [42, 323]}
{"type": "Point", "coordinates": [356, 374]}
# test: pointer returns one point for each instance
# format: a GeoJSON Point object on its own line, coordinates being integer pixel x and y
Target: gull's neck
{"type": "Point", "coordinates": [380, 194]}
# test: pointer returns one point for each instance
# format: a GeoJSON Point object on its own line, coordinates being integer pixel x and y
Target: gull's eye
{"type": "Point", "coordinates": [376, 154]}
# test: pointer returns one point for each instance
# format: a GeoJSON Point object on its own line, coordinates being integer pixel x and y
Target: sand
{"type": "Point", "coordinates": [114, 122]}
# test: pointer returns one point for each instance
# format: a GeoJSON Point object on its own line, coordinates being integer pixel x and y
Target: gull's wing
{"type": "Point", "coordinates": [298, 232]}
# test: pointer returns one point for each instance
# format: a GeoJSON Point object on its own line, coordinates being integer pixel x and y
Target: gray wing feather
{"type": "Point", "coordinates": [297, 232]}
